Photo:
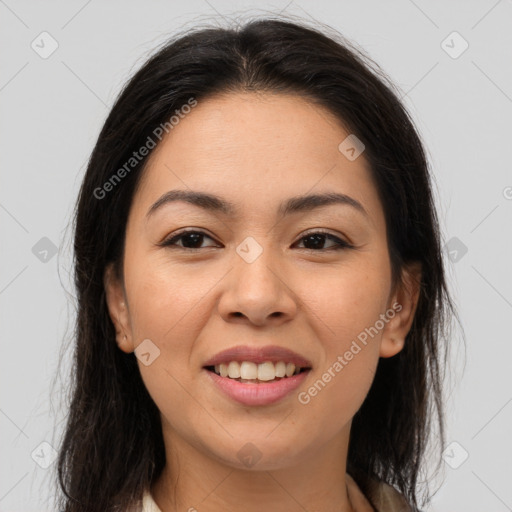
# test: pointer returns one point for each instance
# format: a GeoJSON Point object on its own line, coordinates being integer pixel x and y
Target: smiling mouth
{"type": "Point", "coordinates": [249, 372]}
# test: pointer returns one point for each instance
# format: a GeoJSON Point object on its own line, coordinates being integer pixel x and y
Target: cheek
{"type": "Point", "coordinates": [167, 303]}
{"type": "Point", "coordinates": [170, 306]}
{"type": "Point", "coordinates": [347, 301]}
{"type": "Point", "coordinates": [343, 306]}
{"type": "Point", "coordinates": [167, 309]}
{"type": "Point", "coordinates": [342, 380]}
{"type": "Point", "coordinates": [347, 305]}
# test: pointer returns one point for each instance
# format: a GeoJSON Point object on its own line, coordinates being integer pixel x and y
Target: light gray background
{"type": "Point", "coordinates": [52, 110]}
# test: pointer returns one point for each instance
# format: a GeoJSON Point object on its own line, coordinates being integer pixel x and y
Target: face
{"type": "Point", "coordinates": [310, 277]}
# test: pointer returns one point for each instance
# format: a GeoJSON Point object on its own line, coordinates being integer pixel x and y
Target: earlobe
{"type": "Point", "coordinates": [118, 311]}
{"type": "Point", "coordinates": [389, 347]}
{"type": "Point", "coordinates": [404, 303]}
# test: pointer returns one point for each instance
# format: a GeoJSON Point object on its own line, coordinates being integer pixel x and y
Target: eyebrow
{"type": "Point", "coordinates": [292, 205]}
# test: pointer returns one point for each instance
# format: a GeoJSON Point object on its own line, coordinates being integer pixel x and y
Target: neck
{"type": "Point", "coordinates": [192, 480]}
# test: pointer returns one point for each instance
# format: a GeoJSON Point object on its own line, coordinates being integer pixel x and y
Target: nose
{"type": "Point", "coordinates": [258, 292]}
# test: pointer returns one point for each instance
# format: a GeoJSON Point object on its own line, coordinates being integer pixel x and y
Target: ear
{"type": "Point", "coordinates": [118, 309]}
{"type": "Point", "coordinates": [403, 303]}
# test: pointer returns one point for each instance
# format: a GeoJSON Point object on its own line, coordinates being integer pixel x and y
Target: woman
{"type": "Point", "coordinates": [261, 293]}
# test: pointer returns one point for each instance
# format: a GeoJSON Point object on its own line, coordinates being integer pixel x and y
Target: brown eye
{"type": "Point", "coordinates": [189, 239]}
{"type": "Point", "coordinates": [315, 241]}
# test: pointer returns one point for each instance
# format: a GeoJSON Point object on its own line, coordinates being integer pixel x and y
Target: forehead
{"type": "Point", "coordinates": [238, 126]}
{"type": "Point", "coordinates": [254, 149]}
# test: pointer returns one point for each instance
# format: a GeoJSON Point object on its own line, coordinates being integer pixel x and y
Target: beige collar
{"type": "Point", "coordinates": [385, 497]}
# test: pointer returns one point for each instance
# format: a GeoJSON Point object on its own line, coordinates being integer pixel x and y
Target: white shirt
{"type": "Point", "coordinates": [148, 503]}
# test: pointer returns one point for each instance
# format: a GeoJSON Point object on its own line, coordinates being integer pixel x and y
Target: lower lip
{"type": "Point", "coordinates": [257, 393]}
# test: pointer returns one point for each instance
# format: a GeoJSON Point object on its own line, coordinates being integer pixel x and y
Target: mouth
{"type": "Point", "coordinates": [257, 376]}
{"type": "Point", "coordinates": [250, 372]}
{"type": "Point", "coordinates": [253, 391]}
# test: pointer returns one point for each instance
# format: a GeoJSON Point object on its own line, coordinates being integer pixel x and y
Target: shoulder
{"type": "Point", "coordinates": [383, 497]}
{"type": "Point", "coordinates": [386, 498]}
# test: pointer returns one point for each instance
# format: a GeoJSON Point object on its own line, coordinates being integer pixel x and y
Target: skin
{"type": "Point", "coordinates": [257, 150]}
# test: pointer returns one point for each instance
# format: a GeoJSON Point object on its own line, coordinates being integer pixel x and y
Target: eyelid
{"type": "Point", "coordinates": [343, 243]}
{"type": "Point", "coordinates": [176, 235]}
{"type": "Point", "coordinates": [324, 231]}
{"type": "Point", "coordinates": [340, 240]}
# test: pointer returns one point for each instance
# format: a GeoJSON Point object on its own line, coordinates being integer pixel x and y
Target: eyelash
{"type": "Point", "coordinates": [340, 244]}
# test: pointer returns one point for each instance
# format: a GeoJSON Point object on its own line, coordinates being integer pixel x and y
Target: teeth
{"type": "Point", "coordinates": [233, 370]}
{"type": "Point", "coordinates": [223, 370]}
{"type": "Point", "coordinates": [280, 369]}
{"type": "Point", "coordinates": [247, 370]}
{"type": "Point", "coordinates": [266, 371]}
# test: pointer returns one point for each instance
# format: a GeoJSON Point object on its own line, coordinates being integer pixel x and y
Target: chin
{"type": "Point", "coordinates": [258, 453]}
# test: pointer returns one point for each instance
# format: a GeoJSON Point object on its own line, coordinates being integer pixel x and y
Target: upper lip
{"type": "Point", "coordinates": [258, 355]}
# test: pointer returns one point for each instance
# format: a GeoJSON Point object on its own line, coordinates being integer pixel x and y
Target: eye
{"type": "Point", "coordinates": [190, 240]}
{"type": "Point", "coordinates": [317, 239]}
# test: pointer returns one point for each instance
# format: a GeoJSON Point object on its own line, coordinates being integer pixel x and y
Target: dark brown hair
{"type": "Point", "coordinates": [112, 448]}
